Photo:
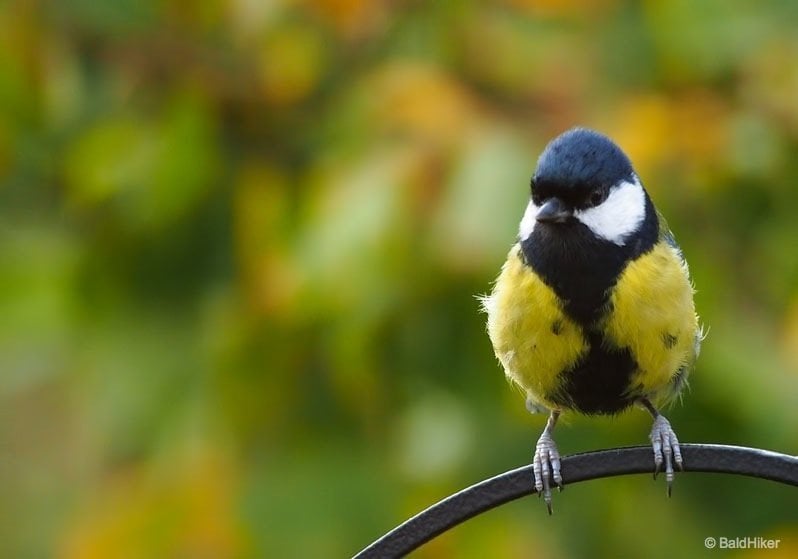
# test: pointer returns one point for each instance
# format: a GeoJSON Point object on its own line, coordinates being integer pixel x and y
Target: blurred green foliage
{"type": "Point", "coordinates": [240, 243]}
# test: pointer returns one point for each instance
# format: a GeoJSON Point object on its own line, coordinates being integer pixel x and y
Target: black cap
{"type": "Point", "coordinates": [583, 158]}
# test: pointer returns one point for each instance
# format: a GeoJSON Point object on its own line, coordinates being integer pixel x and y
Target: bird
{"type": "Point", "coordinates": [593, 311]}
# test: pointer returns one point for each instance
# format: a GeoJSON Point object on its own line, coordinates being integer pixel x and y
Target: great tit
{"type": "Point", "coordinates": [593, 310]}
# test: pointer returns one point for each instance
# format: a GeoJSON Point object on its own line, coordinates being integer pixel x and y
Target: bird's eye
{"type": "Point", "coordinates": [596, 197]}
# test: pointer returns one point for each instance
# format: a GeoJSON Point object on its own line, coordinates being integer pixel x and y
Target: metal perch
{"type": "Point", "coordinates": [511, 485]}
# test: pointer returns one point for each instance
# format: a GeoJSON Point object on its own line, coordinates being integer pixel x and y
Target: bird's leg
{"type": "Point", "coordinates": [546, 463]}
{"type": "Point", "coordinates": [665, 444]}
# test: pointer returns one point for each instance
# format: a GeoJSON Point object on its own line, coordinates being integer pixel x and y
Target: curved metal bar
{"type": "Point", "coordinates": [511, 485]}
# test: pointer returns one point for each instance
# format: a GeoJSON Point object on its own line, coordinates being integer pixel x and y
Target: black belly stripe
{"type": "Point", "coordinates": [582, 269]}
{"type": "Point", "coordinates": [599, 383]}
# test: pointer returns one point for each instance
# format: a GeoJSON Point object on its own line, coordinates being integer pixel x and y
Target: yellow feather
{"type": "Point", "coordinates": [653, 314]}
{"type": "Point", "coordinates": [532, 337]}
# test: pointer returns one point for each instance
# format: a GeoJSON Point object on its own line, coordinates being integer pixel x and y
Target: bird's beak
{"type": "Point", "coordinates": [553, 211]}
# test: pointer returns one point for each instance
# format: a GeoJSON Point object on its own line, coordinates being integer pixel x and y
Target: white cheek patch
{"type": "Point", "coordinates": [528, 221]}
{"type": "Point", "coordinates": [619, 215]}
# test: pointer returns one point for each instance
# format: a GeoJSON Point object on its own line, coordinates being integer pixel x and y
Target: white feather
{"type": "Point", "coordinates": [528, 221]}
{"type": "Point", "coordinates": [619, 215]}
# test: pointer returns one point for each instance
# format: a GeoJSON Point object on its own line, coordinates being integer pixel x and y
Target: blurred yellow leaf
{"type": "Point", "coordinates": [421, 101]}
{"type": "Point", "coordinates": [289, 64]}
{"type": "Point", "coordinates": [571, 8]}
{"type": "Point", "coordinates": [187, 511]}
{"type": "Point", "coordinates": [771, 80]}
{"type": "Point", "coordinates": [785, 548]}
{"type": "Point", "coordinates": [261, 209]}
{"type": "Point", "coordinates": [352, 18]}
{"type": "Point", "coordinates": [654, 130]}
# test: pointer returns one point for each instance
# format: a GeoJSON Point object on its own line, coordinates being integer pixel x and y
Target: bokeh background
{"type": "Point", "coordinates": [240, 244]}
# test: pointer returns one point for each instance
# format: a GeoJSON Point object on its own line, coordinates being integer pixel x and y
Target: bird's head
{"type": "Point", "coordinates": [582, 177]}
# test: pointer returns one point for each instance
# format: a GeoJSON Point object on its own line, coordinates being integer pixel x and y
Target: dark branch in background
{"type": "Point", "coordinates": [511, 485]}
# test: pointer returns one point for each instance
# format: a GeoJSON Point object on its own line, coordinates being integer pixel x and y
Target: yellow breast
{"type": "Point", "coordinates": [531, 335]}
{"type": "Point", "coordinates": [652, 313]}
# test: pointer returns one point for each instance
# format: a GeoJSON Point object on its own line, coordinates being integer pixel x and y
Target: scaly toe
{"type": "Point", "coordinates": [666, 450]}
{"type": "Point", "coordinates": [546, 467]}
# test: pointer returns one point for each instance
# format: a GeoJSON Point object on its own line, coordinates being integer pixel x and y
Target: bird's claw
{"type": "Point", "coordinates": [666, 450]}
{"type": "Point", "coordinates": [546, 467]}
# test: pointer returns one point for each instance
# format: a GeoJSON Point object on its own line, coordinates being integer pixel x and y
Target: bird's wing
{"type": "Point", "coordinates": [666, 235]}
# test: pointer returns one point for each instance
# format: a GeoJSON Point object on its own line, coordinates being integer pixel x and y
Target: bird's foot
{"type": "Point", "coordinates": [546, 467]}
{"type": "Point", "coordinates": [666, 449]}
